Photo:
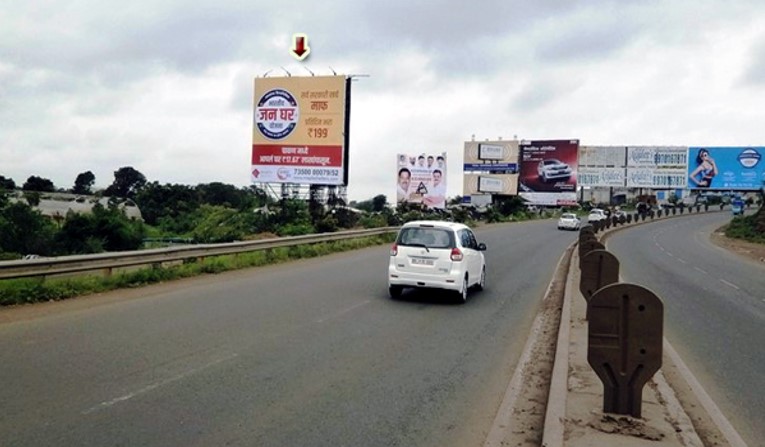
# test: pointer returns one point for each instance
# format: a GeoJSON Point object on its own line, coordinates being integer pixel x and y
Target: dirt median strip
{"type": "Point", "coordinates": [520, 417]}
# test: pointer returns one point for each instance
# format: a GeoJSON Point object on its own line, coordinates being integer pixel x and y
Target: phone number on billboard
{"type": "Point", "coordinates": [318, 172]}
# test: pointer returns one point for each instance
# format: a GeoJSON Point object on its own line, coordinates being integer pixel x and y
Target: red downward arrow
{"type": "Point", "coordinates": [300, 47]}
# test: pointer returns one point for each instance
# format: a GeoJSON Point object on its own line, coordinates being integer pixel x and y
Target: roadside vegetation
{"type": "Point", "coordinates": [30, 290]}
{"type": "Point", "coordinates": [181, 214]}
{"type": "Point", "coordinates": [750, 228]}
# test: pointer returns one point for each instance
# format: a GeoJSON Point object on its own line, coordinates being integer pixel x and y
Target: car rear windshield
{"type": "Point", "coordinates": [569, 216]}
{"type": "Point", "coordinates": [429, 237]}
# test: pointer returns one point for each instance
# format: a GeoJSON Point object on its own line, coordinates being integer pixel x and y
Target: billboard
{"type": "Point", "coordinates": [602, 156]}
{"type": "Point", "coordinates": [300, 130]}
{"type": "Point", "coordinates": [548, 171]}
{"type": "Point", "coordinates": [421, 178]}
{"type": "Point", "coordinates": [730, 168]}
{"type": "Point", "coordinates": [670, 157]}
{"type": "Point", "coordinates": [480, 183]}
{"type": "Point", "coordinates": [606, 177]}
{"type": "Point", "coordinates": [657, 167]}
{"type": "Point", "coordinates": [491, 156]}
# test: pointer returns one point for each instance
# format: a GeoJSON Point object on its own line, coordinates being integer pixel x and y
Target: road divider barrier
{"type": "Point", "coordinates": [625, 327]}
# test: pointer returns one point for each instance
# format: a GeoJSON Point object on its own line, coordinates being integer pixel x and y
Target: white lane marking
{"type": "Point", "coordinates": [670, 255]}
{"type": "Point", "coordinates": [106, 404]}
{"type": "Point", "coordinates": [682, 260]}
{"type": "Point", "coordinates": [730, 284]}
{"type": "Point", "coordinates": [701, 270]}
{"type": "Point", "coordinates": [344, 311]}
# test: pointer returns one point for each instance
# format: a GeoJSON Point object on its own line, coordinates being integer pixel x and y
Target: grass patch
{"type": "Point", "coordinates": [746, 228]}
{"type": "Point", "coordinates": [32, 290]}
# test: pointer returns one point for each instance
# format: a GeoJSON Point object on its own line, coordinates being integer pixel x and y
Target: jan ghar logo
{"type": "Point", "coordinates": [277, 114]}
{"type": "Point", "coordinates": [749, 158]}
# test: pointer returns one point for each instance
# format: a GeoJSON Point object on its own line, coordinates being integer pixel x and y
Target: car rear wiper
{"type": "Point", "coordinates": [420, 245]}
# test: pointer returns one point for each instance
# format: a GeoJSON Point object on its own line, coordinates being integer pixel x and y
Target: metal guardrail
{"type": "Point", "coordinates": [109, 261]}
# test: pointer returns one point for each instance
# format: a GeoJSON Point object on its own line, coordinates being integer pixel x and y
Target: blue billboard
{"type": "Point", "coordinates": [729, 168]}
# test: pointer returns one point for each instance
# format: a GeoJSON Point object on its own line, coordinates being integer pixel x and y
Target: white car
{"type": "Point", "coordinates": [596, 214]}
{"type": "Point", "coordinates": [436, 255]}
{"type": "Point", "coordinates": [569, 221]}
{"type": "Point", "coordinates": [553, 169]}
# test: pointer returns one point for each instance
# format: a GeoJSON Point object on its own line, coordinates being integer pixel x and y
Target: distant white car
{"type": "Point", "coordinates": [569, 221]}
{"type": "Point", "coordinates": [596, 214]}
{"type": "Point", "coordinates": [553, 169]}
{"type": "Point", "coordinates": [436, 255]}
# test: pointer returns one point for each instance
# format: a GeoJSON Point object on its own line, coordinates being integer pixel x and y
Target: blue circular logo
{"type": "Point", "coordinates": [749, 158]}
{"type": "Point", "coordinates": [277, 114]}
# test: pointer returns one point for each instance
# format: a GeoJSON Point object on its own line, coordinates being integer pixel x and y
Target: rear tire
{"type": "Point", "coordinates": [482, 283]}
{"type": "Point", "coordinates": [462, 295]}
{"type": "Point", "coordinates": [395, 291]}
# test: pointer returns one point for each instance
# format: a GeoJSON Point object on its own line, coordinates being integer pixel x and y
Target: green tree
{"type": "Point", "coordinates": [32, 198]}
{"type": "Point", "coordinates": [106, 229]}
{"type": "Point", "coordinates": [127, 182]}
{"type": "Point", "coordinates": [35, 183]}
{"type": "Point", "coordinates": [84, 182]}
{"type": "Point", "coordinates": [218, 193]}
{"type": "Point", "coordinates": [379, 203]}
{"type": "Point", "coordinates": [373, 205]}
{"type": "Point", "coordinates": [24, 230]}
{"type": "Point", "coordinates": [7, 183]}
{"type": "Point", "coordinates": [222, 224]}
{"type": "Point", "coordinates": [168, 203]}
{"type": "Point", "coordinates": [509, 205]}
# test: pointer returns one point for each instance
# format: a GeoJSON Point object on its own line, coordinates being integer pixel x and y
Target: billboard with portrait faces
{"type": "Point", "coordinates": [421, 178]}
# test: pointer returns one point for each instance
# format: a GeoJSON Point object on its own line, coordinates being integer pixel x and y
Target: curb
{"type": "Point", "coordinates": [555, 415]}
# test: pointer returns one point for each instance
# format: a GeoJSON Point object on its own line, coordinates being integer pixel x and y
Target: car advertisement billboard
{"type": "Point", "coordinates": [300, 130]}
{"type": "Point", "coordinates": [730, 168]}
{"type": "Point", "coordinates": [548, 171]}
{"type": "Point", "coordinates": [491, 156]}
{"type": "Point", "coordinates": [421, 179]}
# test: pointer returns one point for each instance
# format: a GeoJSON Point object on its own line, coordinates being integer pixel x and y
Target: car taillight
{"type": "Point", "coordinates": [456, 254]}
{"type": "Point", "coordinates": [394, 250]}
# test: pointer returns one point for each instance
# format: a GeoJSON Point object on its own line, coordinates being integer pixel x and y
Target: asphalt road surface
{"type": "Point", "coordinates": [309, 353]}
{"type": "Point", "coordinates": [714, 309]}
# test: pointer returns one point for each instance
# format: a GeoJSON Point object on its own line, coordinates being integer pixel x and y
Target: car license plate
{"type": "Point", "coordinates": [419, 261]}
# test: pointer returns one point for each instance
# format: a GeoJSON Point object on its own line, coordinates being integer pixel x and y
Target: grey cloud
{"type": "Point", "coordinates": [754, 74]}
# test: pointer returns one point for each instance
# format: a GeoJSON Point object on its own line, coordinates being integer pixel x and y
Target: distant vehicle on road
{"type": "Point", "coordinates": [569, 221]}
{"type": "Point", "coordinates": [596, 214]}
{"type": "Point", "coordinates": [737, 207]}
{"type": "Point", "coordinates": [436, 255]}
{"type": "Point", "coordinates": [553, 169]}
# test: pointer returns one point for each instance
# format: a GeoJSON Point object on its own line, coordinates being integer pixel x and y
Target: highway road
{"type": "Point", "coordinates": [305, 353]}
{"type": "Point", "coordinates": [714, 309]}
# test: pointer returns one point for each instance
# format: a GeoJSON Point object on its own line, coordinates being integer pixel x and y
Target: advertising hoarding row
{"type": "Point", "coordinates": [421, 178]}
{"type": "Point", "coordinates": [300, 130]}
{"type": "Point", "coordinates": [673, 167]}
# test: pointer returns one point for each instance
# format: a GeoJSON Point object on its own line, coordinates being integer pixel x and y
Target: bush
{"type": "Point", "coordinates": [746, 227]}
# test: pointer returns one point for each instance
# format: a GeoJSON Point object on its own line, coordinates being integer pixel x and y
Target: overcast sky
{"type": "Point", "coordinates": [166, 86]}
